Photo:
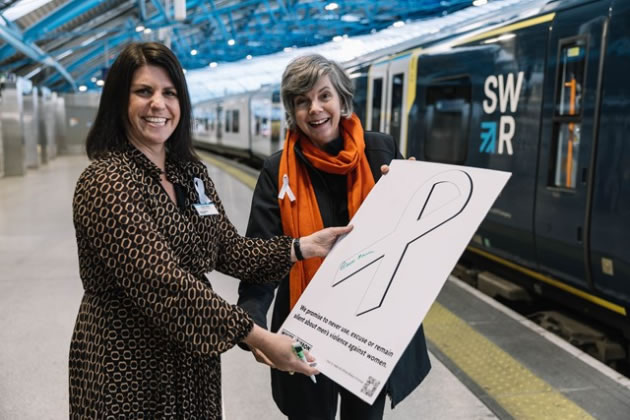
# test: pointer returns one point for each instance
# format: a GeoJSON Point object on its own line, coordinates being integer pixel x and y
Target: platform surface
{"type": "Point", "coordinates": [487, 362]}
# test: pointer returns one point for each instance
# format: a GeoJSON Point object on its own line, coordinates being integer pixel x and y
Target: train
{"type": "Point", "coordinates": [544, 97]}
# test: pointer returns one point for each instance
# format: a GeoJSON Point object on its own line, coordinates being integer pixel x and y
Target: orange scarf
{"type": "Point", "coordinates": [302, 217]}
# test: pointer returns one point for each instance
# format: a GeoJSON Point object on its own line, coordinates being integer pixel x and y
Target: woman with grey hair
{"type": "Point", "coordinates": [329, 164]}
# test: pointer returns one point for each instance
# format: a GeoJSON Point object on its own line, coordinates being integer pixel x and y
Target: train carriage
{"type": "Point", "coordinates": [544, 97]}
{"type": "Point", "coordinates": [530, 98]}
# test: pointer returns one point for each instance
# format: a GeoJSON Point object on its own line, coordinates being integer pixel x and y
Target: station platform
{"type": "Point", "coordinates": [488, 362]}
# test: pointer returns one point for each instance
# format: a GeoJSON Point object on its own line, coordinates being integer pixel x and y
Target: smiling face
{"type": "Point", "coordinates": [318, 111]}
{"type": "Point", "coordinates": [153, 110]}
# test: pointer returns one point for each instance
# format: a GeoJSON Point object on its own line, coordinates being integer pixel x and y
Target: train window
{"type": "Point", "coordinates": [219, 122]}
{"type": "Point", "coordinates": [377, 100]}
{"type": "Point", "coordinates": [397, 106]}
{"type": "Point", "coordinates": [568, 109]}
{"type": "Point", "coordinates": [566, 154]}
{"type": "Point", "coordinates": [570, 86]}
{"type": "Point", "coordinates": [447, 119]}
{"type": "Point", "coordinates": [276, 123]}
{"type": "Point", "coordinates": [235, 121]}
{"type": "Point", "coordinates": [257, 126]}
{"type": "Point", "coordinates": [228, 121]}
{"type": "Point", "coordinates": [359, 100]}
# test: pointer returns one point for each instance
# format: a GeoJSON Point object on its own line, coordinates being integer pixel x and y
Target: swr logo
{"type": "Point", "coordinates": [508, 94]}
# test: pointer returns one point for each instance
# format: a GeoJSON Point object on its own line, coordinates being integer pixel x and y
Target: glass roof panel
{"type": "Point", "coordinates": [23, 7]}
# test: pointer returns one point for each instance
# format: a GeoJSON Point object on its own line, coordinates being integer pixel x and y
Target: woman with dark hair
{"type": "Point", "coordinates": [330, 164]}
{"type": "Point", "coordinates": [149, 225]}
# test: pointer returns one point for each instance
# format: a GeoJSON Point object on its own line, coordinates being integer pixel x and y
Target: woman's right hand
{"type": "Point", "coordinates": [277, 349]}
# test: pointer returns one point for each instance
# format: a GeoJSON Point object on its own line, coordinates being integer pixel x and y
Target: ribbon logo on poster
{"type": "Point", "coordinates": [437, 201]}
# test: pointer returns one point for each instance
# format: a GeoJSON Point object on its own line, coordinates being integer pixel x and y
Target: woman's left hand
{"type": "Point", "coordinates": [319, 243]}
{"type": "Point", "coordinates": [261, 357]}
{"type": "Point", "coordinates": [385, 168]}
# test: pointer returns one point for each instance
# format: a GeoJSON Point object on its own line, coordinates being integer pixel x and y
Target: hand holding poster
{"type": "Point", "coordinates": [375, 287]}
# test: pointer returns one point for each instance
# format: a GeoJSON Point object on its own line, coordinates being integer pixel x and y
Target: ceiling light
{"type": "Point", "coordinates": [88, 41]}
{"type": "Point", "coordinates": [100, 82]}
{"type": "Point", "coordinates": [399, 24]}
{"type": "Point", "coordinates": [479, 2]}
{"type": "Point", "coordinates": [33, 73]}
{"type": "Point", "coordinates": [337, 38]}
{"type": "Point", "coordinates": [288, 49]}
{"type": "Point", "coordinates": [82, 88]}
{"type": "Point", "coordinates": [213, 64]}
{"type": "Point", "coordinates": [350, 18]}
{"type": "Point", "coordinates": [64, 54]}
{"type": "Point", "coordinates": [193, 52]}
{"type": "Point", "coordinates": [93, 79]}
{"type": "Point", "coordinates": [139, 28]}
{"type": "Point", "coordinates": [147, 31]}
{"type": "Point", "coordinates": [231, 42]}
{"type": "Point", "coordinates": [331, 6]}
{"type": "Point", "coordinates": [249, 56]}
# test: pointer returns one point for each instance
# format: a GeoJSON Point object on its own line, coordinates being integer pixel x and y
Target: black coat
{"type": "Point", "coordinates": [331, 193]}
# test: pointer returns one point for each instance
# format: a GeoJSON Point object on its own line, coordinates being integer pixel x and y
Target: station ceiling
{"type": "Point", "coordinates": [64, 44]}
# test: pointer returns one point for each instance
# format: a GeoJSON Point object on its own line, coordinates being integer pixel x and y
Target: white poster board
{"type": "Point", "coordinates": [375, 287]}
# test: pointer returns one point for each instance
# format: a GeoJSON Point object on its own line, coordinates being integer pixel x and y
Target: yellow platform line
{"type": "Point", "coordinates": [237, 173]}
{"type": "Point", "coordinates": [518, 391]}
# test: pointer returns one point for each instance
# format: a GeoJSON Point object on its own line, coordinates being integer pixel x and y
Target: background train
{"type": "Point", "coordinates": [546, 98]}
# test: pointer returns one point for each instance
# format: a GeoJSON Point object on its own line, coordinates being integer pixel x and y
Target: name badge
{"type": "Point", "coordinates": [206, 209]}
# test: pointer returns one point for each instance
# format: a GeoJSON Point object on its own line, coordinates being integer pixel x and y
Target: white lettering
{"type": "Point", "coordinates": [506, 132]}
{"type": "Point", "coordinates": [490, 104]}
{"type": "Point", "coordinates": [508, 93]}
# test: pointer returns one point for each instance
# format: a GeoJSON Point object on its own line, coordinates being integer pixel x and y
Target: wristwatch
{"type": "Point", "coordinates": [297, 249]}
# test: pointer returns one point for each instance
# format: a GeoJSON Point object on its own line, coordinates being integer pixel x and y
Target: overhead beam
{"type": "Point", "coordinates": [48, 24]}
{"type": "Point", "coordinates": [143, 10]}
{"type": "Point", "coordinates": [160, 9]}
{"type": "Point", "coordinates": [96, 49]}
{"type": "Point", "coordinates": [157, 19]}
{"type": "Point", "coordinates": [34, 52]}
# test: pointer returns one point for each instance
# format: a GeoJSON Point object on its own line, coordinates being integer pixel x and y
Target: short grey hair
{"type": "Point", "coordinates": [301, 75]}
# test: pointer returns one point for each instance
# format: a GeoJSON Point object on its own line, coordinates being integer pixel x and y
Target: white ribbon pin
{"type": "Point", "coordinates": [286, 189]}
{"type": "Point", "coordinates": [205, 207]}
{"type": "Point", "coordinates": [201, 191]}
{"type": "Point", "coordinates": [437, 201]}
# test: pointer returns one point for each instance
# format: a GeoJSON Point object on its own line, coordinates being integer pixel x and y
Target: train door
{"type": "Point", "coordinates": [376, 97]}
{"type": "Point", "coordinates": [397, 82]}
{"type": "Point", "coordinates": [387, 99]}
{"type": "Point", "coordinates": [568, 135]}
{"type": "Point", "coordinates": [359, 78]}
{"type": "Point", "coordinates": [219, 122]}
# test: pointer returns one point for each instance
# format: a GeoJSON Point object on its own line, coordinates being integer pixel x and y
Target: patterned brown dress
{"type": "Point", "coordinates": [150, 329]}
